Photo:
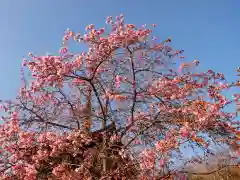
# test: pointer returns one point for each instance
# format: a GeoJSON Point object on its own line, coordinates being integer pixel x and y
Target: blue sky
{"type": "Point", "coordinates": [207, 30]}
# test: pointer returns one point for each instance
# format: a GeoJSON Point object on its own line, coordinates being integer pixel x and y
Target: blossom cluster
{"type": "Point", "coordinates": [132, 97]}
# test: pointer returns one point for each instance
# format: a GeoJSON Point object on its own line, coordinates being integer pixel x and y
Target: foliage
{"type": "Point", "coordinates": [120, 110]}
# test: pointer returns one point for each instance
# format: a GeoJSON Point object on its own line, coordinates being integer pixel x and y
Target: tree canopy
{"type": "Point", "coordinates": [123, 109]}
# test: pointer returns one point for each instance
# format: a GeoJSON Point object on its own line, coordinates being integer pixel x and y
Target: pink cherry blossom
{"type": "Point", "coordinates": [118, 110]}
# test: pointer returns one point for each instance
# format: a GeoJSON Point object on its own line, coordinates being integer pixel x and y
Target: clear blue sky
{"type": "Point", "coordinates": [207, 30]}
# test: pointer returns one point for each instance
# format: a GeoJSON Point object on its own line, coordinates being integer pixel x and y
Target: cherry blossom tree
{"type": "Point", "coordinates": [120, 110]}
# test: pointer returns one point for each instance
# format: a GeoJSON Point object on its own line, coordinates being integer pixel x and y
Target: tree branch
{"type": "Point", "coordinates": [70, 104]}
